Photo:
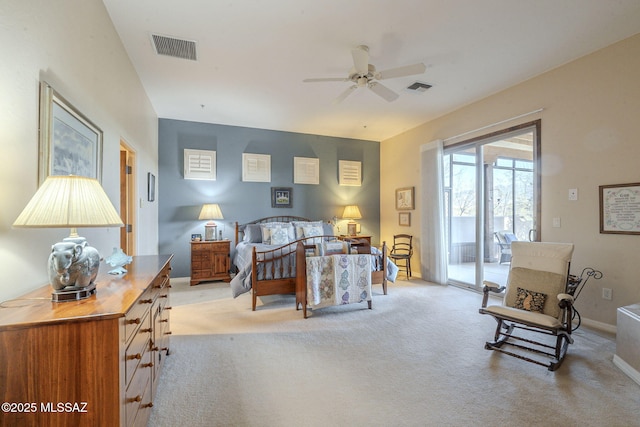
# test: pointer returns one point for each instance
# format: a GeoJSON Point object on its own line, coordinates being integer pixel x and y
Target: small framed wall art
{"type": "Point", "coordinates": [281, 197]}
{"type": "Point", "coordinates": [404, 219]}
{"type": "Point", "coordinates": [405, 200]}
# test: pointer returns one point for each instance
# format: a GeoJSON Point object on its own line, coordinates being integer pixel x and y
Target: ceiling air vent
{"type": "Point", "coordinates": [419, 87]}
{"type": "Point", "coordinates": [178, 48]}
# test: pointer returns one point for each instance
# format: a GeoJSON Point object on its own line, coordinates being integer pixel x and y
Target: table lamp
{"type": "Point", "coordinates": [351, 212]}
{"type": "Point", "coordinates": [210, 212]}
{"type": "Point", "coordinates": [70, 202]}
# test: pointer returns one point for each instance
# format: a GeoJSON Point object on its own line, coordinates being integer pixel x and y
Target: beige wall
{"type": "Point", "coordinates": [590, 137]}
{"type": "Point", "coordinates": [73, 46]}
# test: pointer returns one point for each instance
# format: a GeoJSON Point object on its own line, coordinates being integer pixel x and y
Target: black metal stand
{"type": "Point", "coordinates": [575, 284]}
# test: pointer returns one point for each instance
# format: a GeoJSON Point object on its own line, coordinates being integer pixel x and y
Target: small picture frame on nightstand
{"type": "Point", "coordinates": [196, 237]}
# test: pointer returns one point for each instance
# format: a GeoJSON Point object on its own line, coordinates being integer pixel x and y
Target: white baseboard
{"type": "Point", "coordinates": [626, 368]}
{"type": "Point", "coordinates": [594, 324]}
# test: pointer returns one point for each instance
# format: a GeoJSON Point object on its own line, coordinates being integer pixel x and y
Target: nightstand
{"type": "Point", "coordinates": [210, 261]}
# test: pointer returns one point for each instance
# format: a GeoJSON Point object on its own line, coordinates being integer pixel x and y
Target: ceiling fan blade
{"type": "Point", "coordinates": [383, 91]}
{"type": "Point", "coordinates": [361, 60]}
{"type": "Point", "coordinates": [407, 70]}
{"type": "Point", "coordinates": [330, 79]}
{"type": "Point", "coordinates": [344, 94]}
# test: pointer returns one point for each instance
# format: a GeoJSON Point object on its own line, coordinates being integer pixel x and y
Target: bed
{"type": "Point", "coordinates": [269, 267]}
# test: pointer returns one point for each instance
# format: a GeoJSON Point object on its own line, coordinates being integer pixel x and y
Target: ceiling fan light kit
{"type": "Point", "coordinates": [364, 74]}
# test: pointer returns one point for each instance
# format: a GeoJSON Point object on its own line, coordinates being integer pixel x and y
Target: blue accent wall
{"type": "Point", "coordinates": [180, 199]}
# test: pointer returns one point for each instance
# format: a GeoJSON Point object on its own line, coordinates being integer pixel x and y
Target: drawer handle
{"type": "Point", "coordinates": [147, 365]}
{"type": "Point", "coordinates": [165, 349]}
{"type": "Point", "coordinates": [148, 405]}
{"type": "Point", "coordinates": [146, 330]}
{"type": "Point", "coordinates": [138, 398]}
{"type": "Point", "coordinates": [136, 321]}
{"type": "Point", "coordinates": [164, 320]}
{"type": "Point", "coordinates": [154, 348]}
{"type": "Point", "coordinates": [146, 301]}
{"type": "Point", "coordinates": [135, 356]}
{"type": "Point", "coordinates": [164, 296]}
{"type": "Point", "coordinates": [167, 308]}
{"type": "Point", "coordinates": [168, 333]}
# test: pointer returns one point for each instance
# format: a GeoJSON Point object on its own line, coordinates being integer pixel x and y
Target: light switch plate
{"type": "Point", "coordinates": [556, 222]}
{"type": "Point", "coordinates": [573, 194]}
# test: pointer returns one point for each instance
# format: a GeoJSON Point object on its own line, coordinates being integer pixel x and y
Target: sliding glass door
{"type": "Point", "coordinates": [491, 195]}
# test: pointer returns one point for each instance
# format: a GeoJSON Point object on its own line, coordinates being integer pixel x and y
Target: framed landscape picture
{"type": "Point", "coordinates": [281, 197]}
{"type": "Point", "coordinates": [70, 144]}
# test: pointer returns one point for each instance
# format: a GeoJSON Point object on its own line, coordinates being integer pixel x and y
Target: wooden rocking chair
{"type": "Point", "coordinates": [536, 300]}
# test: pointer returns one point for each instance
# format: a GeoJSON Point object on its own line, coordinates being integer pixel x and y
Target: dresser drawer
{"type": "Point", "coordinates": [201, 255]}
{"type": "Point", "coordinates": [201, 247]}
{"type": "Point", "coordinates": [138, 394]}
{"type": "Point", "coordinates": [162, 279]}
{"type": "Point", "coordinates": [139, 345]}
{"type": "Point", "coordinates": [135, 315]}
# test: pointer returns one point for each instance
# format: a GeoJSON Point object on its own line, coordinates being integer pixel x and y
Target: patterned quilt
{"type": "Point", "coordinates": [338, 279]}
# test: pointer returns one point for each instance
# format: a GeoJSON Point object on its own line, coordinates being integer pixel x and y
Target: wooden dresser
{"type": "Point", "coordinates": [93, 362]}
{"type": "Point", "coordinates": [210, 261]}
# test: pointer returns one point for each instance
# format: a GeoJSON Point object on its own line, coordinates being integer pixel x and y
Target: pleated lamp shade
{"type": "Point", "coordinates": [210, 211]}
{"type": "Point", "coordinates": [351, 212]}
{"type": "Point", "coordinates": [69, 202]}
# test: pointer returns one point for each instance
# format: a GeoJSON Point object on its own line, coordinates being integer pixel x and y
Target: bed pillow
{"type": "Point", "coordinates": [327, 229]}
{"type": "Point", "coordinates": [311, 231]}
{"type": "Point", "coordinates": [253, 233]}
{"type": "Point", "coordinates": [299, 227]}
{"type": "Point", "coordinates": [277, 233]}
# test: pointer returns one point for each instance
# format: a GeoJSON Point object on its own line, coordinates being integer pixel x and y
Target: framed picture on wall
{"type": "Point", "coordinates": [70, 144]}
{"type": "Point", "coordinates": [151, 187]}
{"type": "Point", "coordinates": [404, 219]}
{"type": "Point", "coordinates": [620, 208]}
{"type": "Point", "coordinates": [405, 199]}
{"type": "Point", "coordinates": [281, 197]}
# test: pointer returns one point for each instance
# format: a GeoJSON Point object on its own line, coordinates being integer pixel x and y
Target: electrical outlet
{"type": "Point", "coordinates": [607, 294]}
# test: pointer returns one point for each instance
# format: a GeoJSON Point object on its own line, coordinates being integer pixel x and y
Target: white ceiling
{"type": "Point", "coordinates": [254, 54]}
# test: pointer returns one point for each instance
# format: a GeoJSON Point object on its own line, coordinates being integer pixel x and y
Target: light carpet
{"type": "Point", "coordinates": [416, 359]}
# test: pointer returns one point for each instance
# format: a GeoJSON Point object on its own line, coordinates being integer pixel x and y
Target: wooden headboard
{"type": "Point", "coordinates": [281, 218]}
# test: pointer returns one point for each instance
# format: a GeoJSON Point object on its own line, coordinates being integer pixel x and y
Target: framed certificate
{"type": "Point", "coordinates": [620, 208]}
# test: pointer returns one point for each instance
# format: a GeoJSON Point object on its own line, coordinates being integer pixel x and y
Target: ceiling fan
{"type": "Point", "coordinates": [364, 74]}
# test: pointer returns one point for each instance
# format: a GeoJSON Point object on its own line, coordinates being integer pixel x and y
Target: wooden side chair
{"type": "Point", "coordinates": [402, 251]}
